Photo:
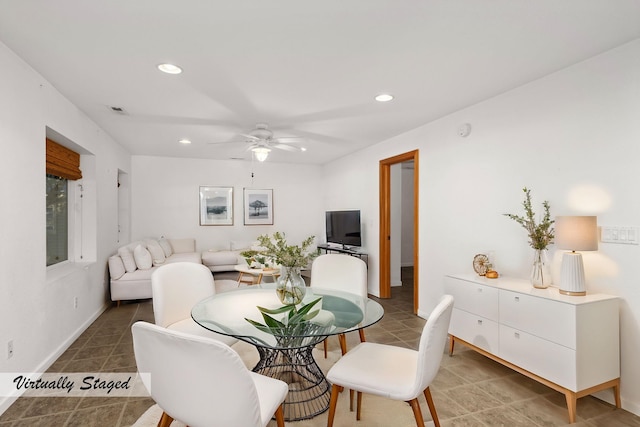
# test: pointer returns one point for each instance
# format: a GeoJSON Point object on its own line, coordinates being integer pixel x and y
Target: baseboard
{"type": "Point", "coordinates": [6, 402]}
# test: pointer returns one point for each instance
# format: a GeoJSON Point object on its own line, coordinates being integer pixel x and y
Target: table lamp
{"type": "Point", "coordinates": [575, 233]}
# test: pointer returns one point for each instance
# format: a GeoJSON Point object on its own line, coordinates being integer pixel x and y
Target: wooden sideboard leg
{"type": "Point", "coordinates": [616, 393]}
{"type": "Point", "coordinates": [571, 405]}
{"type": "Point", "coordinates": [451, 344]}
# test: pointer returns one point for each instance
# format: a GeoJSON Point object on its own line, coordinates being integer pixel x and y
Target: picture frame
{"type": "Point", "coordinates": [216, 205]}
{"type": "Point", "coordinates": [258, 206]}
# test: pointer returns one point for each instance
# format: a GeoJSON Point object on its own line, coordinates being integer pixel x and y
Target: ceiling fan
{"type": "Point", "coordinates": [262, 142]}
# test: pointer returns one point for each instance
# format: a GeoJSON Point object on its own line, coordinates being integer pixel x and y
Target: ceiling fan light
{"type": "Point", "coordinates": [384, 97]}
{"type": "Point", "coordinates": [261, 153]}
{"type": "Point", "coordinates": [170, 68]}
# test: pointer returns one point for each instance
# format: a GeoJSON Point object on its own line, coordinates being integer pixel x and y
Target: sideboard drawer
{"type": "Point", "coordinates": [476, 330]}
{"type": "Point", "coordinates": [473, 297]}
{"type": "Point", "coordinates": [544, 318]}
{"type": "Point", "coordinates": [549, 360]}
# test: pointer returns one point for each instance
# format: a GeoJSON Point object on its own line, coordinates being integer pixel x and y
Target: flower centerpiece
{"type": "Point", "coordinates": [540, 236]}
{"type": "Point", "coordinates": [290, 286]}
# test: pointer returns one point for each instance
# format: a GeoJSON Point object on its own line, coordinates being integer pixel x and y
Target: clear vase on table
{"type": "Point", "coordinates": [290, 286]}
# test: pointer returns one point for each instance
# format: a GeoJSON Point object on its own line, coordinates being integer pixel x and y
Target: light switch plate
{"type": "Point", "coordinates": [626, 235]}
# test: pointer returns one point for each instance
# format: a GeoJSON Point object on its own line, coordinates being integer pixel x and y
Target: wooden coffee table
{"type": "Point", "coordinates": [253, 276]}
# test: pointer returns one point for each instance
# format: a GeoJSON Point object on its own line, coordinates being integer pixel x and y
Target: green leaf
{"type": "Point", "coordinates": [279, 310]}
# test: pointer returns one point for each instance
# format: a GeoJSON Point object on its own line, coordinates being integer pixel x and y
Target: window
{"type": "Point", "coordinates": [63, 166]}
{"type": "Point", "coordinates": [57, 220]}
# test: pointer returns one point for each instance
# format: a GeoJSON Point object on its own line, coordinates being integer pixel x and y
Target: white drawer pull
{"type": "Point", "coordinates": [517, 299]}
{"type": "Point", "coordinates": [517, 335]}
{"type": "Point", "coordinates": [479, 322]}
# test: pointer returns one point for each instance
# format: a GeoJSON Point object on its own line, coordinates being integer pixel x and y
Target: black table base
{"type": "Point", "coordinates": [309, 390]}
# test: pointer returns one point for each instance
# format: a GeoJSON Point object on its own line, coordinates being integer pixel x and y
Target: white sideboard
{"type": "Point", "coordinates": [569, 343]}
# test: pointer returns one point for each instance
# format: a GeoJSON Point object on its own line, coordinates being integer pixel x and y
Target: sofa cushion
{"type": "Point", "coordinates": [166, 247]}
{"type": "Point", "coordinates": [116, 267]}
{"type": "Point", "coordinates": [142, 257]}
{"type": "Point", "coordinates": [185, 257]}
{"type": "Point", "coordinates": [183, 245]}
{"type": "Point", "coordinates": [156, 251]}
{"type": "Point", "coordinates": [139, 275]}
{"type": "Point", "coordinates": [220, 258]}
{"type": "Point", "coordinates": [127, 259]}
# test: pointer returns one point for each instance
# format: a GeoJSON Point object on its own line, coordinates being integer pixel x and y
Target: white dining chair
{"type": "Point", "coordinates": [395, 372]}
{"type": "Point", "coordinates": [176, 288]}
{"type": "Point", "coordinates": [343, 273]}
{"type": "Point", "coordinates": [202, 382]}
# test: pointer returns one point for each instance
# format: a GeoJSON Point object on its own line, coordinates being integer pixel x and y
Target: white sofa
{"type": "Point", "coordinates": [226, 259]}
{"type": "Point", "coordinates": [130, 270]}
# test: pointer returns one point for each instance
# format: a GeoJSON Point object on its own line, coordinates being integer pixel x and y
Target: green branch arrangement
{"type": "Point", "coordinates": [540, 235]}
{"type": "Point", "coordinates": [294, 327]}
{"type": "Point", "coordinates": [291, 256]}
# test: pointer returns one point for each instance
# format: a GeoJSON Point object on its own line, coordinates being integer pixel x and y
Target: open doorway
{"type": "Point", "coordinates": [386, 229]}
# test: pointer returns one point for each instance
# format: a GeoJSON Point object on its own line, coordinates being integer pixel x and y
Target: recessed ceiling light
{"type": "Point", "coordinates": [303, 149]}
{"type": "Point", "coordinates": [384, 97]}
{"type": "Point", "coordinates": [169, 68]}
{"type": "Point", "coordinates": [184, 141]}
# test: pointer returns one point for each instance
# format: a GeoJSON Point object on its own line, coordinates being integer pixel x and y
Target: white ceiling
{"type": "Point", "coordinates": [308, 68]}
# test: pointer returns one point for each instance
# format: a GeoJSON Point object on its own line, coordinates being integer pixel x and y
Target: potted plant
{"type": "Point", "coordinates": [291, 258]}
{"type": "Point", "coordinates": [540, 236]}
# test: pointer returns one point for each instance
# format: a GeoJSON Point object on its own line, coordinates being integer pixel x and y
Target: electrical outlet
{"type": "Point", "coordinates": [75, 302]}
{"type": "Point", "coordinates": [10, 349]}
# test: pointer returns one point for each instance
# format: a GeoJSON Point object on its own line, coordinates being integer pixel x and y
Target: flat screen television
{"type": "Point", "coordinates": [343, 227]}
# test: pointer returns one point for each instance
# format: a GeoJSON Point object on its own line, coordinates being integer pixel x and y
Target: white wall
{"type": "Point", "coordinates": [36, 306]}
{"type": "Point", "coordinates": [165, 199]}
{"type": "Point", "coordinates": [571, 137]}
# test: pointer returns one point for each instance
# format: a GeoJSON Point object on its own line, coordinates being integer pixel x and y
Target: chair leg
{"type": "Point", "coordinates": [324, 343]}
{"type": "Point", "coordinates": [165, 420]}
{"type": "Point", "coordinates": [280, 416]}
{"type": "Point", "coordinates": [432, 407]}
{"type": "Point", "coordinates": [361, 332]}
{"type": "Point", "coordinates": [351, 400]}
{"type": "Point", "coordinates": [343, 343]}
{"type": "Point", "coordinates": [335, 390]}
{"type": "Point", "coordinates": [415, 405]}
{"type": "Point", "coordinates": [358, 405]}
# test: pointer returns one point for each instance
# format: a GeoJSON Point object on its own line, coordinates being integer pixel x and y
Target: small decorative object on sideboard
{"type": "Point", "coordinates": [492, 274]}
{"type": "Point", "coordinates": [540, 236]}
{"type": "Point", "coordinates": [480, 263]}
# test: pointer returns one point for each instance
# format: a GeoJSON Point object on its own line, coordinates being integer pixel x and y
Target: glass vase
{"type": "Point", "coordinates": [541, 270]}
{"type": "Point", "coordinates": [290, 286]}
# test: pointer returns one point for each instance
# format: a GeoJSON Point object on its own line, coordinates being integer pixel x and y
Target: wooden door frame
{"type": "Point", "coordinates": [385, 224]}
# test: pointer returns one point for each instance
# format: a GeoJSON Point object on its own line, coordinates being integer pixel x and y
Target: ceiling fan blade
{"type": "Point", "coordinates": [251, 137]}
{"type": "Point", "coordinates": [286, 147]}
{"type": "Point", "coordinates": [289, 139]}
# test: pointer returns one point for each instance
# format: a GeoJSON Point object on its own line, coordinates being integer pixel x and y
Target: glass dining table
{"type": "Point", "coordinates": [286, 350]}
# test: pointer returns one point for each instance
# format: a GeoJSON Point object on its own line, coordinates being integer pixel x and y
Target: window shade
{"type": "Point", "coordinates": [62, 161]}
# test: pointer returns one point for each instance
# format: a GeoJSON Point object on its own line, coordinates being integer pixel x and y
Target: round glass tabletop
{"type": "Point", "coordinates": [236, 313]}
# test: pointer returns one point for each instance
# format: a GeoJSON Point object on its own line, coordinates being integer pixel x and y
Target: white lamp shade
{"type": "Point", "coordinates": [576, 233]}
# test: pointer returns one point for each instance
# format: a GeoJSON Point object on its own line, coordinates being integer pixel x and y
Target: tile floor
{"type": "Point", "coordinates": [469, 390]}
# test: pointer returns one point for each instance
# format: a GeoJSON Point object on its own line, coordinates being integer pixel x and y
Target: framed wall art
{"type": "Point", "coordinates": [258, 207]}
{"type": "Point", "coordinates": [216, 205]}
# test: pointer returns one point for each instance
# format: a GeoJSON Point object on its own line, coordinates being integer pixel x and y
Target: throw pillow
{"type": "Point", "coordinates": [127, 259]}
{"type": "Point", "coordinates": [116, 267]}
{"type": "Point", "coordinates": [166, 247]}
{"type": "Point", "coordinates": [142, 257]}
{"type": "Point", "coordinates": [157, 253]}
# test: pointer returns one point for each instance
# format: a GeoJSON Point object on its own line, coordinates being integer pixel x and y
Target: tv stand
{"type": "Point", "coordinates": [343, 250]}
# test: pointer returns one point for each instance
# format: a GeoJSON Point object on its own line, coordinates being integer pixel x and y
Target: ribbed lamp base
{"type": "Point", "coordinates": [572, 275]}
